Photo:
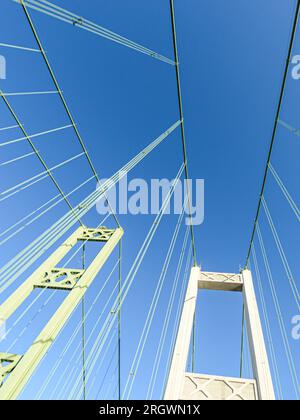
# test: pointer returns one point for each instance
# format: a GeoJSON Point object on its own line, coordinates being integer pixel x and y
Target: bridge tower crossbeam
{"type": "Point", "coordinates": [184, 385]}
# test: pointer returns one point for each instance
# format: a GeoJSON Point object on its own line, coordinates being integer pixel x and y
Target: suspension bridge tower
{"type": "Point", "coordinates": [183, 385]}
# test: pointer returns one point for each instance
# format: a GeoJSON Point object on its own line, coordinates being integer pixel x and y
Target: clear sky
{"type": "Point", "coordinates": [232, 57]}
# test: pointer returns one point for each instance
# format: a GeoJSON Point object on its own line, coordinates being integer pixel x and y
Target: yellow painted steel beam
{"type": "Point", "coordinates": [7, 364]}
{"type": "Point", "coordinates": [18, 378]}
{"type": "Point", "coordinates": [21, 294]}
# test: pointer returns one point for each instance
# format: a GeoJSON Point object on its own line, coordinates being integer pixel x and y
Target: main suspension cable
{"type": "Point", "coordinates": [183, 139]}
{"type": "Point", "coordinates": [52, 10]}
{"type": "Point", "coordinates": [38, 216]}
{"type": "Point", "coordinates": [34, 179]}
{"type": "Point", "coordinates": [16, 118]}
{"type": "Point", "coordinates": [63, 100]}
{"type": "Point", "coordinates": [19, 264]}
{"type": "Point", "coordinates": [281, 96]}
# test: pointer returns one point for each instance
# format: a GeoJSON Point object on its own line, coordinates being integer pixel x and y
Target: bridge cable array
{"type": "Point", "coordinates": [274, 132]}
{"type": "Point", "coordinates": [77, 21]}
{"type": "Point", "coordinates": [76, 379]}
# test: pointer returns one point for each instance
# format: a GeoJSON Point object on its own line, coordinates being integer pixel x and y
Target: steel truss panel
{"type": "Point", "coordinates": [7, 364]}
{"type": "Point", "coordinates": [207, 387]}
{"type": "Point", "coordinates": [101, 234]}
{"type": "Point", "coordinates": [221, 281]}
{"type": "Point", "coordinates": [60, 279]}
{"type": "Point", "coordinates": [21, 294]}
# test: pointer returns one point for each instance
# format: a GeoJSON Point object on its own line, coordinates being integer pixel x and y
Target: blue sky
{"type": "Point", "coordinates": [232, 57]}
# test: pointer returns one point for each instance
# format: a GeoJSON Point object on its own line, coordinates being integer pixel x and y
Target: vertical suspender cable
{"type": "Point", "coordinates": [282, 326]}
{"type": "Point", "coordinates": [267, 324]}
{"type": "Point", "coordinates": [285, 192]}
{"type": "Point", "coordinates": [282, 254]}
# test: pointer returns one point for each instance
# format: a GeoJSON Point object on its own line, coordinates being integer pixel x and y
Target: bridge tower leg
{"type": "Point", "coordinates": [16, 370]}
{"type": "Point", "coordinates": [182, 385]}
